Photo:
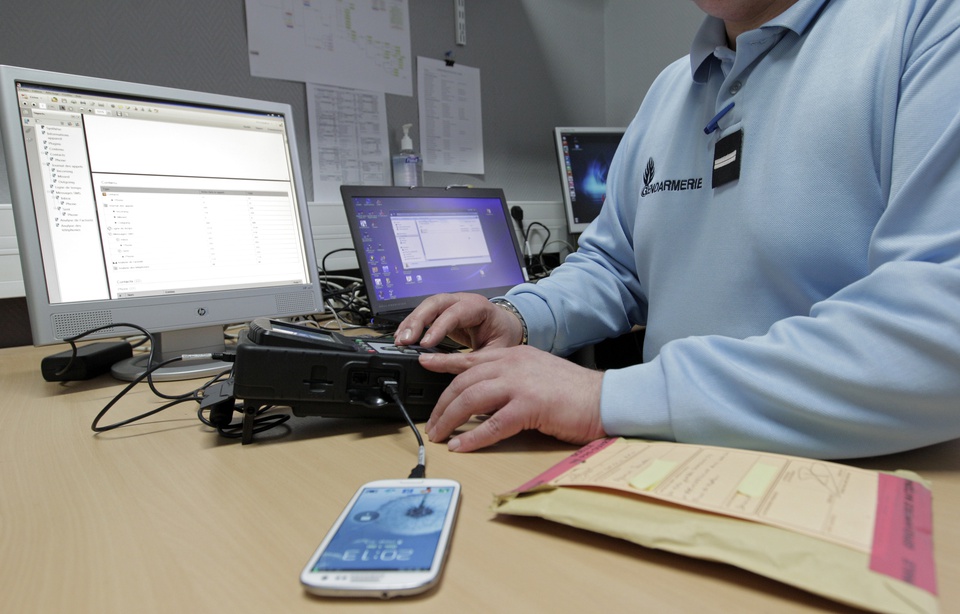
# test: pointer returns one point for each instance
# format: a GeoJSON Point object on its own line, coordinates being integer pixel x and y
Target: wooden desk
{"type": "Point", "coordinates": [166, 517]}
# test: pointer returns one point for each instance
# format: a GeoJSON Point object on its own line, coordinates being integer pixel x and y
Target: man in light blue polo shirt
{"type": "Point", "coordinates": [783, 215]}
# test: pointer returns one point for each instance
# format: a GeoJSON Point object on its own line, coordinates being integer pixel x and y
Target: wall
{"type": "Point", "coordinates": [542, 63]}
{"type": "Point", "coordinates": [641, 38]}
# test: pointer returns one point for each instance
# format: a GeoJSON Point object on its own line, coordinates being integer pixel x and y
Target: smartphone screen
{"type": "Point", "coordinates": [390, 540]}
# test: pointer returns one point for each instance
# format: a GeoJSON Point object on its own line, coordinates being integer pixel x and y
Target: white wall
{"type": "Point", "coordinates": [642, 37]}
{"type": "Point", "coordinates": [11, 279]}
{"type": "Point", "coordinates": [570, 35]}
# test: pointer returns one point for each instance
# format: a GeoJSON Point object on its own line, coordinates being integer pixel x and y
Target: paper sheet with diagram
{"type": "Point", "coordinates": [362, 45]}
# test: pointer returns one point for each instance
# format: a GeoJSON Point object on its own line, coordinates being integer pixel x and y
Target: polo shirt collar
{"type": "Point", "coordinates": [712, 33]}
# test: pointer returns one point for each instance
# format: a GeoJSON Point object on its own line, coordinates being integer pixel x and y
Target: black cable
{"type": "Point", "coordinates": [193, 395]}
{"type": "Point", "coordinates": [393, 390]}
{"type": "Point", "coordinates": [235, 430]}
{"type": "Point", "coordinates": [224, 356]}
{"type": "Point", "coordinates": [73, 344]}
{"type": "Point", "coordinates": [543, 246]}
{"type": "Point", "coordinates": [150, 356]}
{"type": "Point", "coordinates": [516, 212]}
{"type": "Point", "coordinates": [329, 293]}
{"type": "Point", "coordinates": [356, 313]}
{"type": "Point", "coordinates": [146, 374]}
{"type": "Point", "coordinates": [323, 261]}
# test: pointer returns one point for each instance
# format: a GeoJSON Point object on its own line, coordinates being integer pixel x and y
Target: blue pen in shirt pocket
{"type": "Point", "coordinates": [714, 123]}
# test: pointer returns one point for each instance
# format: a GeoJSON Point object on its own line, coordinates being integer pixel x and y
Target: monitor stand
{"type": "Point", "coordinates": [170, 344]}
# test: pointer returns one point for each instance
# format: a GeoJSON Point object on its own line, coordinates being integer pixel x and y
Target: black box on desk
{"type": "Point", "coordinates": [332, 382]}
{"type": "Point", "coordinates": [90, 361]}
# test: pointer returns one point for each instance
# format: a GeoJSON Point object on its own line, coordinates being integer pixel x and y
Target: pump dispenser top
{"type": "Point", "coordinates": [406, 143]}
{"type": "Point", "coordinates": [407, 165]}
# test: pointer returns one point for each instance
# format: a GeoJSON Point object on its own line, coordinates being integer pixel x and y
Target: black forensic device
{"type": "Point", "coordinates": [324, 373]}
{"type": "Point", "coordinates": [91, 360]}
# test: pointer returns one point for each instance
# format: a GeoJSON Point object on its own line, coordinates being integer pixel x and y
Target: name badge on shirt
{"type": "Point", "coordinates": [726, 159]}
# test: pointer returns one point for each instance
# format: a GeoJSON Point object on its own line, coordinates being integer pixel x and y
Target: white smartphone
{"type": "Point", "coordinates": [391, 539]}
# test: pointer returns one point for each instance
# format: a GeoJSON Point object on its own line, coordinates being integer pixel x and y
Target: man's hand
{"type": "Point", "coordinates": [468, 319]}
{"type": "Point", "coordinates": [519, 388]}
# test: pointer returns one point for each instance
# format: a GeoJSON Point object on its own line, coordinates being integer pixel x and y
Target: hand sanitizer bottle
{"type": "Point", "coordinates": [407, 165]}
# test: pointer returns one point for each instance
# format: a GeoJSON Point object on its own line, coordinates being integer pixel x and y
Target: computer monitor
{"type": "Point", "coordinates": [584, 156]}
{"type": "Point", "coordinates": [177, 211]}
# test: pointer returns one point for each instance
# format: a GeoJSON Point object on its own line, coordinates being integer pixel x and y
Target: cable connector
{"type": "Point", "coordinates": [223, 356]}
{"type": "Point", "coordinates": [392, 389]}
{"type": "Point", "coordinates": [420, 471]}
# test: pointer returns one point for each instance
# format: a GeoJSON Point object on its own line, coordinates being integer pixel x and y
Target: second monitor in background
{"type": "Point", "coordinates": [584, 156]}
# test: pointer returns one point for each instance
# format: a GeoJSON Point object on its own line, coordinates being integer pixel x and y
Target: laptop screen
{"type": "Point", "coordinates": [413, 243]}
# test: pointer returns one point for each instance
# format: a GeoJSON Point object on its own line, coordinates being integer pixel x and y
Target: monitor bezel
{"type": "Point", "coordinates": [156, 314]}
{"type": "Point", "coordinates": [574, 226]}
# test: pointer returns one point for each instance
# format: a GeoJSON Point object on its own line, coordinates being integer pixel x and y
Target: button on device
{"type": "Point", "coordinates": [364, 347]}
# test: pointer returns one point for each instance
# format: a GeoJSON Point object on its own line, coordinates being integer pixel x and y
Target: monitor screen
{"type": "Point", "coordinates": [413, 243]}
{"type": "Point", "coordinates": [177, 211]}
{"type": "Point", "coordinates": [584, 156]}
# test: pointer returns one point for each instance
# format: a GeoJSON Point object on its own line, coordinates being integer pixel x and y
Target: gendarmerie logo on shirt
{"type": "Point", "coordinates": [667, 185]}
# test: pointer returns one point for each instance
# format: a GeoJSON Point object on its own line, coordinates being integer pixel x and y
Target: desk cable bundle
{"type": "Point", "coordinates": [194, 395]}
{"type": "Point", "coordinates": [216, 403]}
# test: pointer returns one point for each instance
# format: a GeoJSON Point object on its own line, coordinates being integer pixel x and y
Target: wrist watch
{"type": "Point", "coordinates": [505, 304]}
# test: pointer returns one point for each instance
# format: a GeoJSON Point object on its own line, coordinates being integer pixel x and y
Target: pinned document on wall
{"type": "Point", "coordinates": [451, 126]}
{"type": "Point", "coordinates": [350, 44]}
{"type": "Point", "coordinates": [348, 139]}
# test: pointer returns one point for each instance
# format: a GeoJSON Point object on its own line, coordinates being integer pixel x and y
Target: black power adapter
{"type": "Point", "coordinates": [92, 360]}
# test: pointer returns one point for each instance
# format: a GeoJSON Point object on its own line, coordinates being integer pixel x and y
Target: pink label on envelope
{"type": "Point", "coordinates": [903, 534]}
{"type": "Point", "coordinates": [571, 461]}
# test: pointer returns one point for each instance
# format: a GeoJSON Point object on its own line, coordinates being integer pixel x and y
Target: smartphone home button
{"type": "Point", "coordinates": [366, 516]}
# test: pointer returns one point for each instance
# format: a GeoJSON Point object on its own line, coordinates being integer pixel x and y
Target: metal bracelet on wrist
{"type": "Point", "coordinates": [505, 304]}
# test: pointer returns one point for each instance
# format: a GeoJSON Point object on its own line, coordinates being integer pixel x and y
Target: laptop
{"type": "Point", "coordinates": [412, 243]}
